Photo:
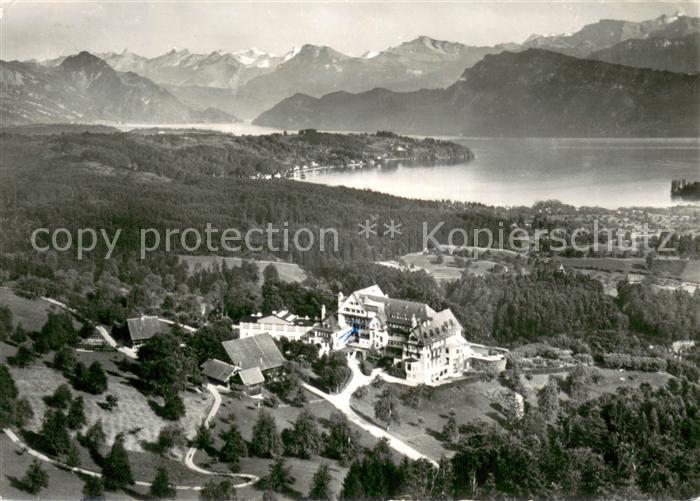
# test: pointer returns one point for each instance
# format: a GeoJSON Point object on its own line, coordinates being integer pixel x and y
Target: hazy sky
{"type": "Point", "coordinates": [44, 29]}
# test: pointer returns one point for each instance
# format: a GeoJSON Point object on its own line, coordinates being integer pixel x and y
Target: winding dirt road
{"type": "Point", "coordinates": [341, 401]}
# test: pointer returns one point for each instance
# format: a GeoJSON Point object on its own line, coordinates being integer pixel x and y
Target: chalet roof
{"type": "Point", "coordinates": [251, 376]}
{"type": "Point", "coordinates": [145, 327]}
{"type": "Point", "coordinates": [218, 370]}
{"type": "Point", "coordinates": [441, 326]}
{"type": "Point", "coordinates": [254, 351]}
{"type": "Point", "coordinates": [401, 311]}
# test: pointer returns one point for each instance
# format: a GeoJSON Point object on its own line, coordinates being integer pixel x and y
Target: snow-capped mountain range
{"type": "Point", "coordinates": [249, 81]}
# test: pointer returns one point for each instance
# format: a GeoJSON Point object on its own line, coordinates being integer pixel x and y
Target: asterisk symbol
{"type": "Point", "coordinates": [367, 229]}
{"type": "Point", "coordinates": [393, 229]}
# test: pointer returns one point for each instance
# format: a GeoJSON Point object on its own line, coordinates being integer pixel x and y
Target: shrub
{"type": "Point", "coordinates": [35, 479]}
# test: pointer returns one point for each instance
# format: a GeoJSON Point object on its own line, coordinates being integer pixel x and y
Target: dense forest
{"type": "Point", "coordinates": [637, 443]}
{"type": "Point", "coordinates": [40, 190]}
{"type": "Point", "coordinates": [184, 155]}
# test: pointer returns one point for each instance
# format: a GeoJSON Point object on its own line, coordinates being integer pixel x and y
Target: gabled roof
{"type": "Point", "coordinates": [218, 370]}
{"type": "Point", "coordinates": [251, 376]}
{"type": "Point", "coordinates": [402, 312]}
{"type": "Point", "coordinates": [254, 351]}
{"type": "Point", "coordinates": [145, 327]}
{"type": "Point", "coordinates": [442, 325]}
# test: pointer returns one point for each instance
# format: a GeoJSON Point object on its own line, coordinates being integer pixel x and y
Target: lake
{"type": "Point", "coordinates": [609, 173]}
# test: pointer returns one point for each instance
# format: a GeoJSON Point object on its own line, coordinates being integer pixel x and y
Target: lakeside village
{"type": "Point", "coordinates": [424, 346]}
{"type": "Point", "coordinates": [381, 150]}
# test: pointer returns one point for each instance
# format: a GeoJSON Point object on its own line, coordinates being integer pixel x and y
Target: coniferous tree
{"type": "Point", "coordinates": [61, 397]}
{"type": "Point", "coordinates": [24, 356]}
{"type": "Point", "coordinates": [94, 438]}
{"type": "Point", "coordinates": [234, 448]}
{"type": "Point", "coordinates": [321, 484]}
{"type": "Point", "coordinates": [73, 455]}
{"type": "Point", "coordinates": [170, 436]}
{"type": "Point", "coordinates": [173, 406]}
{"type": "Point", "coordinates": [451, 431]}
{"type": "Point", "coordinates": [6, 322]}
{"type": "Point", "coordinates": [55, 438]}
{"type": "Point", "coordinates": [161, 487]}
{"type": "Point", "coordinates": [116, 470]}
{"type": "Point", "coordinates": [95, 380]}
{"type": "Point", "coordinates": [203, 440]}
{"type": "Point", "coordinates": [279, 478]}
{"type": "Point", "coordinates": [64, 360]}
{"type": "Point", "coordinates": [12, 410]}
{"type": "Point", "coordinates": [19, 335]}
{"type": "Point", "coordinates": [35, 479]}
{"type": "Point", "coordinates": [76, 414]}
{"type": "Point", "coordinates": [94, 487]}
{"type": "Point", "coordinates": [266, 440]}
{"type": "Point", "coordinates": [548, 399]}
{"type": "Point", "coordinates": [303, 439]}
{"type": "Point", "coordinates": [342, 441]}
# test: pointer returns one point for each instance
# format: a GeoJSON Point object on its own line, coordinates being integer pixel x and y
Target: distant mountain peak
{"type": "Point", "coordinates": [289, 55]}
{"type": "Point", "coordinates": [308, 51]}
{"type": "Point", "coordinates": [427, 46]}
{"type": "Point", "coordinates": [82, 61]}
{"type": "Point", "coordinates": [428, 42]}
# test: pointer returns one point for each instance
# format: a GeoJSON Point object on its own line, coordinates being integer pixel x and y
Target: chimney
{"type": "Point", "coordinates": [414, 322]}
{"type": "Point", "coordinates": [323, 311]}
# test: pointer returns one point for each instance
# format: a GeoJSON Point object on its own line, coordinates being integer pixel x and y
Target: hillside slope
{"type": "Point", "coordinates": [530, 93]}
{"type": "Point", "coordinates": [84, 88]}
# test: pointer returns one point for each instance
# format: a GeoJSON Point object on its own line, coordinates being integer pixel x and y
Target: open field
{"type": "Point", "coordinates": [448, 269]}
{"type": "Point", "coordinates": [133, 416]}
{"type": "Point", "coordinates": [625, 265]}
{"type": "Point", "coordinates": [31, 313]}
{"type": "Point", "coordinates": [675, 268]}
{"type": "Point", "coordinates": [614, 379]}
{"type": "Point", "coordinates": [685, 270]}
{"type": "Point", "coordinates": [13, 464]}
{"type": "Point", "coordinates": [666, 274]}
{"type": "Point", "coordinates": [421, 427]}
{"type": "Point", "coordinates": [65, 485]}
{"type": "Point", "coordinates": [611, 380]}
{"type": "Point", "coordinates": [288, 272]}
{"type": "Point", "coordinates": [610, 279]}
